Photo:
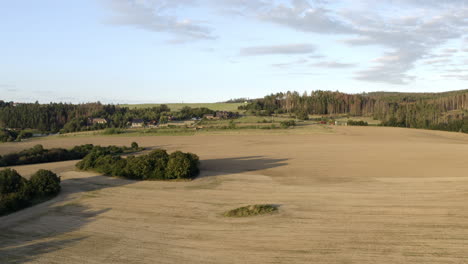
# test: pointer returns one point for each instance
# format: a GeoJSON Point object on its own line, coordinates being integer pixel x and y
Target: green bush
{"type": "Point", "coordinates": [160, 158]}
{"type": "Point", "coordinates": [302, 115]}
{"type": "Point", "coordinates": [134, 145]}
{"type": "Point", "coordinates": [8, 135]}
{"type": "Point", "coordinates": [157, 165]}
{"type": "Point", "coordinates": [178, 166]}
{"type": "Point", "coordinates": [44, 183]}
{"type": "Point", "coordinates": [38, 154]}
{"type": "Point", "coordinates": [357, 123]}
{"type": "Point", "coordinates": [11, 182]}
{"type": "Point", "coordinates": [252, 210]}
{"type": "Point", "coordinates": [286, 124]}
{"type": "Point", "coordinates": [18, 193]}
{"type": "Point", "coordinates": [12, 202]}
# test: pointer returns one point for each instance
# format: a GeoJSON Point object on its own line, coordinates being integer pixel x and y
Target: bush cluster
{"type": "Point", "coordinates": [38, 154]}
{"type": "Point", "coordinates": [157, 165]}
{"type": "Point", "coordinates": [357, 123]}
{"type": "Point", "coordinates": [252, 210]}
{"type": "Point", "coordinates": [286, 124]}
{"type": "Point", "coordinates": [8, 135]}
{"type": "Point", "coordinates": [17, 192]}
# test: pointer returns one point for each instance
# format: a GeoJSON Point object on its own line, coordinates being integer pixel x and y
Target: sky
{"type": "Point", "coordinates": [163, 51]}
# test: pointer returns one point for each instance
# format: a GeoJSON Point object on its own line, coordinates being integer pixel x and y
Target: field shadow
{"type": "Point", "coordinates": [48, 227]}
{"type": "Point", "coordinates": [239, 165]}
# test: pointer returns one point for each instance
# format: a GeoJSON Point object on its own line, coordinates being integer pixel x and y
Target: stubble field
{"type": "Point", "coordinates": [355, 195]}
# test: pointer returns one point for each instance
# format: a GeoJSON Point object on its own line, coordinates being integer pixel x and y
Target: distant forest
{"type": "Point", "coordinates": [55, 117]}
{"type": "Point", "coordinates": [441, 111]}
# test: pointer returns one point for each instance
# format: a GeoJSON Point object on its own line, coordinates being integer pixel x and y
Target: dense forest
{"type": "Point", "coordinates": [445, 111]}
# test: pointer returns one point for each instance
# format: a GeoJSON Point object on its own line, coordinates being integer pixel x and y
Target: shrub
{"type": "Point", "coordinates": [13, 202]}
{"type": "Point", "coordinates": [17, 192]}
{"type": "Point", "coordinates": [286, 124]}
{"type": "Point", "coordinates": [160, 158]}
{"type": "Point", "coordinates": [157, 165]}
{"type": "Point", "coordinates": [302, 115]}
{"type": "Point", "coordinates": [105, 164]}
{"type": "Point", "coordinates": [182, 166]}
{"type": "Point", "coordinates": [357, 123]}
{"type": "Point", "coordinates": [134, 145]}
{"type": "Point", "coordinates": [252, 210]}
{"type": "Point", "coordinates": [45, 183]}
{"type": "Point", "coordinates": [11, 182]}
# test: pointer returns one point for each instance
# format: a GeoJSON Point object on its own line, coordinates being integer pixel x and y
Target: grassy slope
{"type": "Point", "coordinates": [177, 107]}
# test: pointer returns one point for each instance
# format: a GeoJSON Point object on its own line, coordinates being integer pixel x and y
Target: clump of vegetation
{"type": "Point", "coordinates": [302, 115]}
{"type": "Point", "coordinates": [252, 210]}
{"type": "Point", "coordinates": [17, 192]}
{"type": "Point", "coordinates": [157, 165]}
{"type": "Point", "coordinates": [38, 154]}
{"type": "Point", "coordinates": [357, 123]}
{"type": "Point", "coordinates": [8, 135]}
{"type": "Point", "coordinates": [45, 183]}
{"type": "Point", "coordinates": [287, 124]}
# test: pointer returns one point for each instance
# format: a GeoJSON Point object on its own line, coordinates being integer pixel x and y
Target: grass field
{"type": "Point", "coordinates": [356, 195]}
{"type": "Point", "coordinates": [176, 107]}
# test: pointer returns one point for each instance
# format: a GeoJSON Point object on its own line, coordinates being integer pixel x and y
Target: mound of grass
{"type": "Point", "coordinates": [252, 210]}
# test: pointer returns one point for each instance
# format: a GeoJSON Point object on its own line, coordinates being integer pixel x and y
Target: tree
{"type": "Point", "coordinates": [160, 159]}
{"type": "Point", "coordinates": [45, 183]}
{"type": "Point", "coordinates": [178, 166]}
{"type": "Point", "coordinates": [134, 145]}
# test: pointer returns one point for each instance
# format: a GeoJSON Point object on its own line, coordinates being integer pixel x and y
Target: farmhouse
{"type": "Point", "coordinates": [137, 123]}
{"type": "Point", "coordinates": [92, 121]}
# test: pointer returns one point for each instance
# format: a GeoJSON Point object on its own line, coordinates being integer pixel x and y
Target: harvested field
{"type": "Point", "coordinates": [357, 195]}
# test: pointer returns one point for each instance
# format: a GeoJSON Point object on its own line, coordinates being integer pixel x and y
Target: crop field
{"type": "Point", "coordinates": [177, 107]}
{"type": "Point", "coordinates": [343, 195]}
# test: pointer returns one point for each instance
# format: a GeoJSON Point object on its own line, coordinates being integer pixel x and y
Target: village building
{"type": "Point", "coordinates": [137, 123]}
{"type": "Point", "coordinates": [153, 124]}
{"type": "Point", "coordinates": [93, 121]}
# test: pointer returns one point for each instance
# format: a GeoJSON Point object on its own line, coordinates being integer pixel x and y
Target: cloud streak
{"type": "Point", "coordinates": [289, 49]}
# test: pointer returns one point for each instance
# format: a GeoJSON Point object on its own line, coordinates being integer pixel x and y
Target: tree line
{"type": "Point", "coordinates": [65, 118]}
{"type": "Point", "coordinates": [419, 110]}
{"type": "Point", "coordinates": [38, 154]}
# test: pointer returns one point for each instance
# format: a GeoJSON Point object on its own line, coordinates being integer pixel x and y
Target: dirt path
{"type": "Point", "coordinates": [360, 195]}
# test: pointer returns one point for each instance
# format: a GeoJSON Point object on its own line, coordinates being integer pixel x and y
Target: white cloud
{"type": "Point", "coordinates": [278, 49]}
{"type": "Point", "coordinates": [407, 30]}
{"type": "Point", "coordinates": [439, 61]}
{"type": "Point", "coordinates": [408, 38]}
{"type": "Point", "coordinates": [333, 64]}
{"type": "Point", "coordinates": [157, 16]}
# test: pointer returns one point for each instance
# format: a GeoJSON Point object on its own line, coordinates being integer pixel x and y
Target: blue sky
{"type": "Point", "coordinates": [135, 51]}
